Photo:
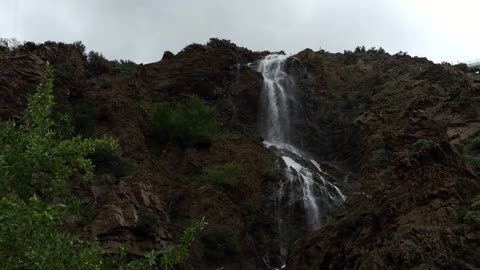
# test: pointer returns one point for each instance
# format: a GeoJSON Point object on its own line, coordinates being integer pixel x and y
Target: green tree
{"type": "Point", "coordinates": [36, 161]}
{"type": "Point", "coordinates": [35, 158]}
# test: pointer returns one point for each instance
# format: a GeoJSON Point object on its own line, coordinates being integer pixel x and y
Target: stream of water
{"type": "Point", "coordinates": [305, 185]}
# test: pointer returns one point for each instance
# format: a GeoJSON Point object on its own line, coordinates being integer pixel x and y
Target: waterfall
{"type": "Point", "coordinates": [306, 185]}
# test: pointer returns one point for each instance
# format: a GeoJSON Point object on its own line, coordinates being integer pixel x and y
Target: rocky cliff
{"type": "Point", "coordinates": [399, 131]}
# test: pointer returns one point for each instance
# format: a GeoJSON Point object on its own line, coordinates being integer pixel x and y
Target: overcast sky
{"type": "Point", "coordinates": [141, 30]}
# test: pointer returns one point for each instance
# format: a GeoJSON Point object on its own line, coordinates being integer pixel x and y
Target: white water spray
{"type": "Point", "coordinates": [305, 179]}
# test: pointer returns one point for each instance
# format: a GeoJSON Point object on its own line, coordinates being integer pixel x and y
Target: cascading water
{"type": "Point", "coordinates": [305, 189]}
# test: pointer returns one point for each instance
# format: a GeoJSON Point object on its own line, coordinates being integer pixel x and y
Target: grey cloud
{"type": "Point", "coordinates": [143, 30]}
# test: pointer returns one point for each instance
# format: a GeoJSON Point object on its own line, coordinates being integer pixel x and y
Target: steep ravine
{"type": "Point", "coordinates": [391, 131]}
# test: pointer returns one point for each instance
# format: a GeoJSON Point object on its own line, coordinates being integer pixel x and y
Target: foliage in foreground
{"type": "Point", "coordinates": [189, 122]}
{"type": "Point", "coordinates": [225, 174]}
{"type": "Point", "coordinates": [35, 158]}
{"type": "Point", "coordinates": [30, 239]}
{"type": "Point", "coordinates": [36, 161]}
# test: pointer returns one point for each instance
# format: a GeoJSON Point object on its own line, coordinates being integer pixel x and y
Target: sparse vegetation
{"type": "Point", "coordinates": [360, 49]}
{"type": "Point", "coordinates": [220, 243]}
{"type": "Point", "coordinates": [185, 123]}
{"type": "Point", "coordinates": [225, 174]}
{"type": "Point", "coordinates": [401, 53]}
{"type": "Point", "coordinates": [472, 216]}
{"type": "Point", "coordinates": [98, 64]}
{"type": "Point", "coordinates": [220, 43]}
{"type": "Point", "coordinates": [423, 144]}
{"type": "Point", "coordinates": [179, 252]}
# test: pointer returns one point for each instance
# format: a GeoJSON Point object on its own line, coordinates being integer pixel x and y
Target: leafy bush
{"type": "Point", "coordinates": [35, 158]}
{"type": "Point", "coordinates": [472, 216]}
{"type": "Point", "coordinates": [107, 160]}
{"type": "Point", "coordinates": [179, 252]}
{"type": "Point", "coordinates": [225, 174]}
{"type": "Point", "coordinates": [193, 46]}
{"type": "Point", "coordinates": [36, 163]}
{"type": "Point", "coordinates": [190, 122]}
{"type": "Point", "coordinates": [220, 243]}
{"type": "Point", "coordinates": [360, 49]}
{"type": "Point", "coordinates": [423, 144]}
{"type": "Point", "coordinates": [30, 238]}
{"type": "Point", "coordinates": [98, 64]}
{"type": "Point", "coordinates": [220, 43]}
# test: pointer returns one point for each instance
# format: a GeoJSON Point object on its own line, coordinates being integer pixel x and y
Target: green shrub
{"type": "Point", "coordinates": [189, 122]}
{"type": "Point", "coordinates": [225, 174]}
{"type": "Point", "coordinates": [98, 64]}
{"type": "Point", "coordinates": [219, 243]}
{"type": "Point", "coordinates": [31, 238]}
{"type": "Point", "coordinates": [36, 162]}
{"type": "Point", "coordinates": [35, 158]}
{"type": "Point", "coordinates": [220, 43]}
{"type": "Point", "coordinates": [472, 217]}
{"type": "Point", "coordinates": [107, 160]}
{"type": "Point", "coordinates": [423, 144]}
{"type": "Point", "coordinates": [179, 252]}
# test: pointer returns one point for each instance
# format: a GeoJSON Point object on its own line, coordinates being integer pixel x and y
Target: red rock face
{"type": "Point", "coordinates": [391, 121]}
{"type": "Point", "coordinates": [415, 185]}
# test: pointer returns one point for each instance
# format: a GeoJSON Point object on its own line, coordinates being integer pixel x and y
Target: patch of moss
{"type": "Point", "coordinates": [225, 174]}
